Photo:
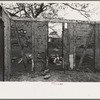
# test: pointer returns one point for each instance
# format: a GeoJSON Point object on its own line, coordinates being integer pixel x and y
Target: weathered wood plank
{"type": "Point", "coordinates": [7, 48]}
{"type": "Point", "coordinates": [71, 43]}
{"type": "Point", "coordinates": [66, 47]}
{"type": "Point", "coordinates": [97, 46]}
{"type": "Point", "coordinates": [54, 20]}
{"type": "Point", "coordinates": [39, 43]}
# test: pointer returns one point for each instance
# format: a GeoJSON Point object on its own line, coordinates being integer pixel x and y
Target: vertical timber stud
{"type": "Point", "coordinates": [71, 43]}
{"type": "Point", "coordinates": [32, 35]}
{"type": "Point", "coordinates": [33, 46]}
{"type": "Point", "coordinates": [47, 58]}
{"type": "Point", "coordinates": [32, 69]}
{"type": "Point", "coordinates": [7, 48]}
{"type": "Point", "coordinates": [74, 45]}
{"type": "Point", "coordinates": [63, 65]}
{"type": "Point", "coordinates": [66, 47]}
{"type": "Point", "coordinates": [97, 46]}
{"type": "Point", "coordinates": [94, 32]}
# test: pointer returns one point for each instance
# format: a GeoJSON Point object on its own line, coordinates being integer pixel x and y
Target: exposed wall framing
{"type": "Point", "coordinates": [6, 19]}
{"type": "Point", "coordinates": [38, 30]}
{"type": "Point", "coordinates": [39, 44]}
{"type": "Point", "coordinates": [74, 28]}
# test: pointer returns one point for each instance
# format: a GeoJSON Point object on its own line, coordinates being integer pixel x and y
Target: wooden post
{"type": "Point", "coordinates": [63, 47]}
{"type": "Point", "coordinates": [7, 47]}
{"type": "Point", "coordinates": [74, 45]}
{"type": "Point", "coordinates": [66, 47]}
{"type": "Point", "coordinates": [32, 64]}
{"type": "Point", "coordinates": [94, 44]}
{"type": "Point", "coordinates": [1, 50]}
{"type": "Point", "coordinates": [97, 47]}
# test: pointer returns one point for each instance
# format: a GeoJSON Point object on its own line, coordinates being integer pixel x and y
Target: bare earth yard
{"type": "Point", "coordinates": [58, 76]}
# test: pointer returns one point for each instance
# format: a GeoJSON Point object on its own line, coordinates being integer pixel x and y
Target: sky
{"type": "Point", "coordinates": [57, 27]}
{"type": "Point", "coordinates": [73, 14]}
{"type": "Point", "coordinates": [69, 13]}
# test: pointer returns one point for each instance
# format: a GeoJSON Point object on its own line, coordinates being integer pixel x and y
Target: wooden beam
{"type": "Point", "coordinates": [53, 20]}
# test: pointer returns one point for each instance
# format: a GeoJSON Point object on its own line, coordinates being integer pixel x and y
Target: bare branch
{"type": "Point", "coordinates": [79, 10]}
{"type": "Point", "coordinates": [31, 9]}
{"type": "Point", "coordinates": [84, 15]}
{"type": "Point", "coordinates": [74, 7]}
{"type": "Point", "coordinates": [35, 9]}
{"type": "Point", "coordinates": [18, 11]}
{"type": "Point", "coordinates": [39, 10]}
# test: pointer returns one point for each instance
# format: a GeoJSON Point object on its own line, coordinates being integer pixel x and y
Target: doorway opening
{"type": "Point", "coordinates": [1, 50]}
{"type": "Point", "coordinates": [55, 46]}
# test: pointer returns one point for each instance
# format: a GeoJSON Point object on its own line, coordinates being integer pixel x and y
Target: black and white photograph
{"type": "Point", "coordinates": [49, 42]}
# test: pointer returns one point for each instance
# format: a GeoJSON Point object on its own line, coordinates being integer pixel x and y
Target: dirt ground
{"type": "Point", "coordinates": [85, 74]}
{"type": "Point", "coordinates": [57, 76]}
{"type": "Point", "coordinates": [18, 72]}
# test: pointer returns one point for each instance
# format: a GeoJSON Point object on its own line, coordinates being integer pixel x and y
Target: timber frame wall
{"type": "Point", "coordinates": [6, 18]}
{"type": "Point", "coordinates": [67, 50]}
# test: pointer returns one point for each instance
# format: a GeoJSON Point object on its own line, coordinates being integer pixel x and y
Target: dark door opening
{"type": "Point", "coordinates": [1, 50]}
{"type": "Point", "coordinates": [55, 46]}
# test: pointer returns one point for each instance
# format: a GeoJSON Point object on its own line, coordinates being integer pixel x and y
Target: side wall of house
{"type": "Point", "coordinates": [79, 39]}
{"type": "Point", "coordinates": [7, 65]}
{"type": "Point", "coordinates": [66, 47]}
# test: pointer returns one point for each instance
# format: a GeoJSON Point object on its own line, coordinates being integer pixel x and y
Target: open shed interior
{"type": "Point", "coordinates": [33, 45]}
{"type": "Point", "coordinates": [36, 46]}
{"type": "Point", "coordinates": [55, 46]}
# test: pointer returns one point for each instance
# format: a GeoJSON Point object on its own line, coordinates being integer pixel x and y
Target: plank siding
{"type": "Point", "coordinates": [7, 48]}
{"type": "Point", "coordinates": [39, 42]}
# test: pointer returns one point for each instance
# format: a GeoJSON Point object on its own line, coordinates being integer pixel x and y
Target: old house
{"type": "Point", "coordinates": [80, 39]}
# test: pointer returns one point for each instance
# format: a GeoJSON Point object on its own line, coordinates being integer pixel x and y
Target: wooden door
{"type": "Point", "coordinates": [1, 51]}
{"type": "Point", "coordinates": [39, 44]}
